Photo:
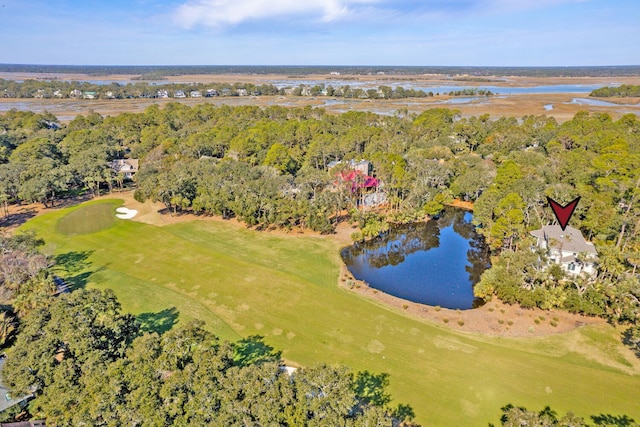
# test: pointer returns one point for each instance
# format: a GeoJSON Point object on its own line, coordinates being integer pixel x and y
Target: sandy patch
{"type": "Point", "coordinates": [494, 318]}
{"type": "Point", "coordinates": [126, 213]}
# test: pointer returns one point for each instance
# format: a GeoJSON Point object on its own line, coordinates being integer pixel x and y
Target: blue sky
{"type": "Point", "coordinates": [321, 32]}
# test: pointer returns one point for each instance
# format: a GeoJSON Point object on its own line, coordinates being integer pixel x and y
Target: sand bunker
{"type": "Point", "coordinates": [126, 213]}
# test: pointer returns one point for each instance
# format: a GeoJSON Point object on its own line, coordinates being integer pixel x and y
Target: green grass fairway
{"type": "Point", "coordinates": [243, 282]}
{"type": "Point", "coordinates": [87, 219]}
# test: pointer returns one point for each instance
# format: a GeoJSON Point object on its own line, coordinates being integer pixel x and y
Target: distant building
{"type": "Point", "coordinates": [58, 94]}
{"type": "Point", "coordinates": [195, 94]}
{"type": "Point", "coordinates": [362, 166]}
{"type": "Point", "coordinates": [40, 93]}
{"type": "Point", "coordinates": [162, 93]}
{"type": "Point", "coordinates": [75, 94]}
{"type": "Point", "coordinates": [128, 167]}
{"type": "Point", "coordinates": [211, 92]}
{"type": "Point", "coordinates": [179, 94]}
{"type": "Point", "coordinates": [356, 177]}
{"type": "Point", "coordinates": [567, 248]}
{"type": "Point", "coordinates": [89, 95]}
{"type": "Point", "coordinates": [242, 92]}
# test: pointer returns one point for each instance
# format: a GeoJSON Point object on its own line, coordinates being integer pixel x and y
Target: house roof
{"type": "Point", "coordinates": [569, 240]}
{"type": "Point", "coordinates": [122, 165]}
{"type": "Point", "coordinates": [7, 400]}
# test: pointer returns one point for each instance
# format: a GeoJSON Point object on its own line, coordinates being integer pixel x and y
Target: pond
{"type": "Point", "coordinates": [435, 263]}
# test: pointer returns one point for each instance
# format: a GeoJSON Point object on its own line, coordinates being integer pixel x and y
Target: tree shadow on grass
{"type": "Point", "coordinates": [372, 388]}
{"type": "Point", "coordinates": [631, 338]}
{"type": "Point", "coordinates": [253, 350]}
{"type": "Point", "coordinates": [16, 219]}
{"type": "Point", "coordinates": [613, 420]}
{"type": "Point", "coordinates": [73, 262]}
{"type": "Point", "coordinates": [159, 322]}
{"type": "Point", "coordinates": [73, 268]}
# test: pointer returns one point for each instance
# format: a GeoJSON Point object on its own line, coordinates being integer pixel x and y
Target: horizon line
{"type": "Point", "coordinates": [317, 65]}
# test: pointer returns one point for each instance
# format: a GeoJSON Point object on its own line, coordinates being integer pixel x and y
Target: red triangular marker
{"type": "Point", "coordinates": [563, 213]}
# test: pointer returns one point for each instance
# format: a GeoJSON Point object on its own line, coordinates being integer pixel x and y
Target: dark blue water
{"type": "Point", "coordinates": [434, 263]}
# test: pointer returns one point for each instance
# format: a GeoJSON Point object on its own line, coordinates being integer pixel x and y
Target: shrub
{"type": "Point", "coordinates": [445, 320]}
{"type": "Point", "coordinates": [554, 323]}
{"type": "Point", "coordinates": [461, 322]}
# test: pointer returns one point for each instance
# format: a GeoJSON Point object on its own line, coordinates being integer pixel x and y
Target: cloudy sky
{"type": "Point", "coordinates": [321, 32]}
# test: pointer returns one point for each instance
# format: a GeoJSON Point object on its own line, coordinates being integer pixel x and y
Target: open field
{"type": "Point", "coordinates": [242, 282]}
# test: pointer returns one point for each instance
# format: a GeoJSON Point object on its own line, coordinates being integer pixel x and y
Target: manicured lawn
{"type": "Point", "coordinates": [243, 282]}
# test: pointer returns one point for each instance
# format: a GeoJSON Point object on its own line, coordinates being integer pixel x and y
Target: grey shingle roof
{"type": "Point", "coordinates": [570, 240]}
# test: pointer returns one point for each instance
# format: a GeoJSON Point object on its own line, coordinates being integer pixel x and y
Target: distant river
{"type": "Point", "coordinates": [517, 90]}
{"type": "Point", "coordinates": [434, 263]}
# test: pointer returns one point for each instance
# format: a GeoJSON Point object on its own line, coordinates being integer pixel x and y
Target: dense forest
{"type": "Point", "coordinates": [269, 167]}
{"type": "Point", "coordinates": [89, 364]}
{"type": "Point", "coordinates": [629, 91]}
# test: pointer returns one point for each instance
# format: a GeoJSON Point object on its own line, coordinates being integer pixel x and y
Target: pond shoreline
{"type": "Point", "coordinates": [494, 318]}
{"type": "Point", "coordinates": [484, 320]}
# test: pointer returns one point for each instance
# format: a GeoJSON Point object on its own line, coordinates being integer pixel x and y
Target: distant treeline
{"type": "Point", "coordinates": [144, 89]}
{"type": "Point", "coordinates": [621, 91]}
{"type": "Point", "coordinates": [177, 70]}
{"type": "Point", "coordinates": [471, 92]}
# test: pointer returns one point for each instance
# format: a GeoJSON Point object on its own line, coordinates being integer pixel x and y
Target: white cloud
{"type": "Point", "coordinates": [220, 13]}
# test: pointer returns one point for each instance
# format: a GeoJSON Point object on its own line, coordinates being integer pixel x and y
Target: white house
{"type": "Point", "coordinates": [128, 167]}
{"type": "Point", "coordinates": [567, 248]}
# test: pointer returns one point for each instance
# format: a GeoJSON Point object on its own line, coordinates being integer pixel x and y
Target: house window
{"type": "Point", "coordinates": [571, 267]}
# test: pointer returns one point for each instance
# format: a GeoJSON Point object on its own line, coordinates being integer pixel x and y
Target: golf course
{"type": "Point", "coordinates": [243, 282]}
